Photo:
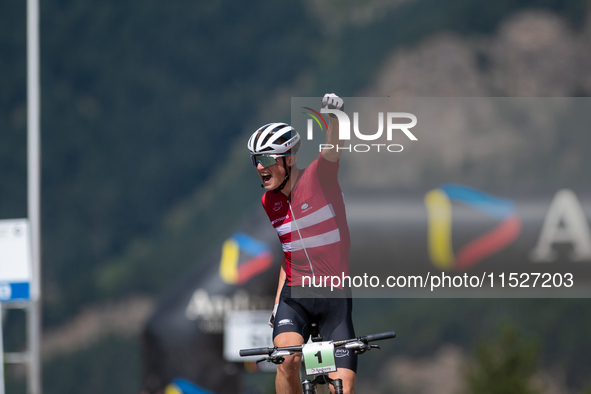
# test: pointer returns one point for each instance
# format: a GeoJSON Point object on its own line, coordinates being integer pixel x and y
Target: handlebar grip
{"type": "Point", "coordinates": [259, 351]}
{"type": "Point", "coordinates": [380, 336]}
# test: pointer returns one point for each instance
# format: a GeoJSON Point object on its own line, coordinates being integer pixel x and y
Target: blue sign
{"type": "Point", "coordinates": [15, 260]}
{"type": "Point", "coordinates": [14, 291]}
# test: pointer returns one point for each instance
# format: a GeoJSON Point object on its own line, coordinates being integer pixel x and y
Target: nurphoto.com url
{"type": "Point", "coordinates": [444, 281]}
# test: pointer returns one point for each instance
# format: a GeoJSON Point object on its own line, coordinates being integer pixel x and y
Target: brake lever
{"type": "Point", "coordinates": [274, 360]}
{"type": "Point", "coordinates": [365, 348]}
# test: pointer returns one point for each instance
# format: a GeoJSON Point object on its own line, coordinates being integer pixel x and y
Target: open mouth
{"type": "Point", "coordinates": [266, 178]}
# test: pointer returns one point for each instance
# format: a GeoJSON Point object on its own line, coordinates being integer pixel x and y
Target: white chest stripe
{"type": "Point", "coordinates": [328, 238]}
{"type": "Point", "coordinates": [311, 219]}
{"type": "Point", "coordinates": [324, 213]}
{"type": "Point", "coordinates": [283, 229]}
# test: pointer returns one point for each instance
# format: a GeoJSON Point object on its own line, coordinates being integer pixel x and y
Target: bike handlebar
{"type": "Point", "coordinates": [380, 336]}
{"type": "Point", "coordinates": [368, 338]}
{"type": "Point", "coordinates": [267, 351]}
{"type": "Point", "coordinates": [259, 351]}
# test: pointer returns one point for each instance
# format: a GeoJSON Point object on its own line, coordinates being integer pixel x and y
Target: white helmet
{"type": "Point", "coordinates": [274, 139]}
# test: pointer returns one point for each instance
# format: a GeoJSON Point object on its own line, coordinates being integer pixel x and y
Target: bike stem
{"type": "Point", "coordinates": [308, 386]}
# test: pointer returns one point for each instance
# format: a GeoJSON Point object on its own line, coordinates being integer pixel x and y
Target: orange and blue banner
{"type": "Point", "coordinates": [439, 206]}
{"type": "Point", "coordinates": [243, 257]}
{"type": "Point", "coordinates": [183, 386]}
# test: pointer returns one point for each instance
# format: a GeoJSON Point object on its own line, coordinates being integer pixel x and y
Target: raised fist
{"type": "Point", "coordinates": [332, 101]}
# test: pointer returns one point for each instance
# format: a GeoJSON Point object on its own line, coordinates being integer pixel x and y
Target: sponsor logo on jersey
{"type": "Point", "coordinates": [277, 206]}
{"type": "Point", "coordinates": [305, 205]}
{"type": "Point", "coordinates": [285, 322]}
{"type": "Point", "coordinates": [279, 219]}
{"type": "Point", "coordinates": [341, 352]}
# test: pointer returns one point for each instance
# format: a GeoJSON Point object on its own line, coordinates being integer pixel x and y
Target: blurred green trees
{"type": "Point", "coordinates": [505, 365]}
{"type": "Point", "coordinates": [141, 103]}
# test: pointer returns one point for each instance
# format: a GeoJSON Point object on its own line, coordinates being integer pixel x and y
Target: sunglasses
{"type": "Point", "coordinates": [265, 160]}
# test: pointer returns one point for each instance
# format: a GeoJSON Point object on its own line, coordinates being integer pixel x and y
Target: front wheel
{"type": "Point", "coordinates": [322, 389]}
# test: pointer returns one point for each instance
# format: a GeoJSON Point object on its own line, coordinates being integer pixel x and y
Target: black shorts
{"type": "Point", "coordinates": [333, 316]}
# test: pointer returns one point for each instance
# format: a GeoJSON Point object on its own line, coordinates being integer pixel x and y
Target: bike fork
{"type": "Point", "coordinates": [309, 386]}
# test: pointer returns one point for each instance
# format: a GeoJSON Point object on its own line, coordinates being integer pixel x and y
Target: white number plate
{"type": "Point", "coordinates": [319, 357]}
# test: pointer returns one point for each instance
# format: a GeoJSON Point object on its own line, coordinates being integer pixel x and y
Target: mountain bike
{"type": "Point", "coordinates": [318, 357]}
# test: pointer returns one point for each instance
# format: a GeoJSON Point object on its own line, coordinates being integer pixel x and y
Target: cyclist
{"type": "Point", "coordinates": [317, 246]}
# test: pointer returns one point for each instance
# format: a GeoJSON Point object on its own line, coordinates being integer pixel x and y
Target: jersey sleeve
{"type": "Point", "coordinates": [265, 202]}
{"type": "Point", "coordinates": [326, 170]}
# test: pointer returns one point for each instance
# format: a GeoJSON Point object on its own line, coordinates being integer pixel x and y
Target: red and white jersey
{"type": "Point", "coordinates": [317, 242]}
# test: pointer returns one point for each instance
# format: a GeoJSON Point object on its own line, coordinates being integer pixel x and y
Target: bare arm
{"type": "Point", "coordinates": [331, 152]}
{"type": "Point", "coordinates": [280, 285]}
{"type": "Point", "coordinates": [332, 138]}
{"type": "Point", "coordinates": [282, 277]}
